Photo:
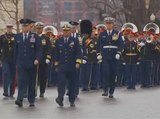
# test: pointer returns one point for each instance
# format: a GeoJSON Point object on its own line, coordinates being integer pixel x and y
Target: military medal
{"type": "Point", "coordinates": [115, 37]}
{"type": "Point", "coordinates": [32, 40]}
{"type": "Point", "coordinates": [91, 46]}
{"type": "Point", "coordinates": [43, 42]}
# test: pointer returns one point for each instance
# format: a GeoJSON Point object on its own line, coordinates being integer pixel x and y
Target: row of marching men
{"type": "Point", "coordinates": [92, 58]}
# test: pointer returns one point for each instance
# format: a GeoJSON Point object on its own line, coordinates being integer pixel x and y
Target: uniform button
{"type": "Point", "coordinates": [65, 60]}
{"type": "Point", "coordinates": [24, 54]}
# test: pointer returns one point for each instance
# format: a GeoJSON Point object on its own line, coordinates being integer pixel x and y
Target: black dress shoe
{"type": "Point", "coordinates": [143, 86]}
{"type": "Point", "coordinates": [59, 102]}
{"type": "Point", "coordinates": [93, 88]}
{"type": "Point", "coordinates": [31, 105]}
{"type": "Point", "coordinates": [85, 89]}
{"type": "Point", "coordinates": [129, 87]}
{"type": "Point", "coordinates": [72, 104]}
{"type": "Point", "coordinates": [19, 103]}
{"type": "Point", "coordinates": [111, 96]}
{"type": "Point", "coordinates": [105, 94]}
{"type": "Point", "coordinates": [41, 95]}
{"type": "Point", "coordinates": [5, 94]}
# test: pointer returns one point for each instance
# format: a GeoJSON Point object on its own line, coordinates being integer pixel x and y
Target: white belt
{"type": "Point", "coordinates": [110, 46]}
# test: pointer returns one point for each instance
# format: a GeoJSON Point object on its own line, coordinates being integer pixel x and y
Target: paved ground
{"type": "Point", "coordinates": [138, 104]}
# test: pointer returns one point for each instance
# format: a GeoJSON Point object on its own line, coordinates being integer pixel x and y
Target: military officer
{"type": "Point", "coordinates": [8, 64]}
{"type": "Point", "coordinates": [50, 32]}
{"type": "Point", "coordinates": [109, 45]}
{"type": "Point", "coordinates": [74, 29]}
{"type": "Point", "coordinates": [28, 53]}
{"type": "Point", "coordinates": [67, 61]}
{"type": "Point", "coordinates": [46, 57]}
{"type": "Point", "coordinates": [90, 69]}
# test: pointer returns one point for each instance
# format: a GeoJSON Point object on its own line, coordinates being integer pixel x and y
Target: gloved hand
{"type": "Point", "coordinates": [84, 61]}
{"type": "Point", "coordinates": [117, 56]}
{"type": "Point", "coordinates": [124, 63]}
{"type": "Point", "coordinates": [137, 63]}
{"type": "Point", "coordinates": [47, 61]}
{"type": "Point", "coordinates": [99, 57]}
{"type": "Point", "coordinates": [99, 61]}
{"type": "Point", "coordinates": [142, 44]}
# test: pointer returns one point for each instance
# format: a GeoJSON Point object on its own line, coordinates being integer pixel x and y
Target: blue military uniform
{"type": "Point", "coordinates": [27, 50]}
{"type": "Point", "coordinates": [76, 36]}
{"type": "Point", "coordinates": [7, 43]}
{"type": "Point", "coordinates": [66, 57]}
{"type": "Point", "coordinates": [110, 45]}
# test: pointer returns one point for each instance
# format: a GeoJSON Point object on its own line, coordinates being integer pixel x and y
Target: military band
{"type": "Point", "coordinates": [84, 56]}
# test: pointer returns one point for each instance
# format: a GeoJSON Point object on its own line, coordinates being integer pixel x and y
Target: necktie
{"type": "Point", "coordinates": [109, 33]}
{"type": "Point", "coordinates": [25, 37]}
{"type": "Point", "coordinates": [65, 40]}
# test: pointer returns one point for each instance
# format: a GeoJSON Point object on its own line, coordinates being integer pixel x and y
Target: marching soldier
{"type": "Point", "coordinates": [90, 70]}
{"type": "Point", "coordinates": [28, 53]}
{"type": "Point", "coordinates": [46, 57]}
{"type": "Point", "coordinates": [109, 46]}
{"type": "Point", "coordinates": [76, 35]}
{"type": "Point", "coordinates": [7, 43]}
{"type": "Point", "coordinates": [67, 61]}
{"type": "Point", "coordinates": [130, 58]}
{"type": "Point", "coordinates": [50, 31]}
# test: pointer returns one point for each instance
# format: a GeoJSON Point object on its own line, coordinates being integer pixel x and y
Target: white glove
{"type": "Point", "coordinates": [124, 63]}
{"type": "Point", "coordinates": [142, 44]}
{"type": "Point", "coordinates": [47, 61]}
{"type": "Point", "coordinates": [137, 63]}
{"type": "Point", "coordinates": [36, 62]}
{"type": "Point", "coordinates": [117, 56]}
{"type": "Point", "coordinates": [99, 61]}
{"type": "Point", "coordinates": [99, 57]}
{"type": "Point", "coordinates": [84, 61]}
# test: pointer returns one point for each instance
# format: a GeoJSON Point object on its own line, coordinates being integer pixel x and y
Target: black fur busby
{"type": "Point", "coordinates": [86, 27]}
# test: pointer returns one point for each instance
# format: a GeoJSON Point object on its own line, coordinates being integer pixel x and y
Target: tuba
{"type": "Point", "coordinates": [50, 29]}
{"type": "Point", "coordinates": [130, 26]}
{"type": "Point", "coordinates": [151, 29]}
{"type": "Point", "coordinates": [51, 32]}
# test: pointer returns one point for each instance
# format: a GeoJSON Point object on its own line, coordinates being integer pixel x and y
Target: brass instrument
{"type": "Point", "coordinates": [151, 29]}
{"type": "Point", "coordinates": [130, 26]}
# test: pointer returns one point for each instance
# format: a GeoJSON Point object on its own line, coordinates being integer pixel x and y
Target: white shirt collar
{"type": "Point", "coordinates": [109, 31]}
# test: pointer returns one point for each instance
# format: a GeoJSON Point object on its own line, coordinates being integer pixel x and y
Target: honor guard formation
{"type": "Point", "coordinates": [78, 56]}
